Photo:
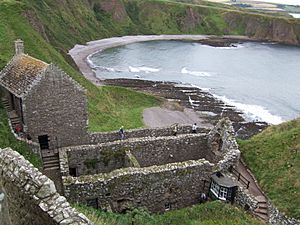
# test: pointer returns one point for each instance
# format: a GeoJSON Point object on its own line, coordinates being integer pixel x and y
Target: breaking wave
{"type": "Point", "coordinates": [184, 70]}
{"type": "Point", "coordinates": [143, 69]}
{"type": "Point", "coordinates": [254, 112]}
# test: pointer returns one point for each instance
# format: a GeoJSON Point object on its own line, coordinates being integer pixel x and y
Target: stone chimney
{"type": "Point", "coordinates": [19, 46]}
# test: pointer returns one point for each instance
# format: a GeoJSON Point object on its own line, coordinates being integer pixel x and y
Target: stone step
{"type": "Point", "coordinates": [261, 211]}
{"type": "Point", "coordinates": [50, 161]}
{"type": "Point", "coordinates": [261, 199]}
{"type": "Point", "coordinates": [263, 217]}
{"type": "Point", "coordinates": [262, 205]}
{"type": "Point", "coordinates": [52, 168]}
{"type": "Point", "coordinates": [50, 157]}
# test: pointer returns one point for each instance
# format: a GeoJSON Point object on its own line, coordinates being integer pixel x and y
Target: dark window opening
{"type": "Point", "coordinates": [167, 207]}
{"type": "Point", "coordinates": [73, 172]}
{"type": "Point", "coordinates": [12, 99]}
{"type": "Point", "coordinates": [44, 141]}
{"type": "Point", "coordinates": [92, 203]}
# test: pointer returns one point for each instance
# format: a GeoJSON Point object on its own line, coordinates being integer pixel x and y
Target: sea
{"type": "Point", "coordinates": [260, 79]}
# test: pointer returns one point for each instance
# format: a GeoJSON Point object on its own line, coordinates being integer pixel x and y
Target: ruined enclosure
{"type": "Point", "coordinates": [104, 158]}
{"type": "Point", "coordinates": [159, 173]}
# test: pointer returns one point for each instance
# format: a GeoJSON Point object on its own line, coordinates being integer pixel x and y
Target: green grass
{"type": "Point", "coordinates": [213, 213]}
{"type": "Point", "coordinates": [119, 106]}
{"type": "Point", "coordinates": [8, 140]}
{"type": "Point", "coordinates": [274, 158]}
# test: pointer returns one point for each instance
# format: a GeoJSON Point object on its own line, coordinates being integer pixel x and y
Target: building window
{"type": "Point", "coordinates": [167, 207]}
{"type": "Point", "coordinates": [223, 193]}
{"type": "Point", "coordinates": [215, 188]}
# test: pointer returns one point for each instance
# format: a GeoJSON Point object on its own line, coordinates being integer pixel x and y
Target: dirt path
{"type": "Point", "coordinates": [161, 117]}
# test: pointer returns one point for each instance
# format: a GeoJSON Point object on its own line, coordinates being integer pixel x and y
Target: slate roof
{"type": "Point", "coordinates": [19, 75]}
{"type": "Point", "coordinates": [224, 181]}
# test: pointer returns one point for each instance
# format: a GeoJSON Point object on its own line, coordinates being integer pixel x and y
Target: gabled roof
{"type": "Point", "coordinates": [20, 73]}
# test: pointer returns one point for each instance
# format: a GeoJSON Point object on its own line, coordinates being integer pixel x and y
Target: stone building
{"type": "Point", "coordinates": [44, 103]}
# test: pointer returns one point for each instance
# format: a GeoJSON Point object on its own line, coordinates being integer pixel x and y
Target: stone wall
{"type": "Point", "coordinates": [56, 106]}
{"type": "Point", "coordinates": [278, 218]}
{"type": "Point", "coordinates": [96, 138]}
{"type": "Point", "coordinates": [28, 197]}
{"type": "Point", "coordinates": [103, 158]}
{"type": "Point", "coordinates": [244, 199]}
{"type": "Point", "coordinates": [158, 188]}
{"type": "Point", "coordinates": [222, 142]}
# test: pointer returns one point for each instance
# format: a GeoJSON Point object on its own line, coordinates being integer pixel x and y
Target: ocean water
{"type": "Point", "coordinates": [262, 80]}
{"type": "Point", "coordinates": [284, 2]}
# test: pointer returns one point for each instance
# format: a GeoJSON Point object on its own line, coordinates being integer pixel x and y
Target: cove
{"type": "Point", "coordinates": [260, 79]}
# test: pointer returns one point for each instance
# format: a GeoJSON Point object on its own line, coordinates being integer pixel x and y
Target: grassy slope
{"type": "Point", "coordinates": [274, 158]}
{"type": "Point", "coordinates": [109, 107]}
{"type": "Point", "coordinates": [213, 213]}
{"type": "Point", "coordinates": [12, 142]}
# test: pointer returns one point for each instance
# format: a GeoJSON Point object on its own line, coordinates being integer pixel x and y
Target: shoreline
{"type": "Point", "coordinates": [80, 53]}
{"type": "Point", "coordinates": [208, 108]}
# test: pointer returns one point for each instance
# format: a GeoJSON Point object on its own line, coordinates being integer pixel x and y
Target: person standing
{"type": "Point", "coordinates": [175, 129]}
{"type": "Point", "coordinates": [194, 128]}
{"type": "Point", "coordinates": [121, 133]}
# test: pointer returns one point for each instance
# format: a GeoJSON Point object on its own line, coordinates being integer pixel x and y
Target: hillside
{"type": "Point", "coordinates": [51, 27]}
{"type": "Point", "coordinates": [274, 158]}
{"type": "Point", "coordinates": [212, 213]}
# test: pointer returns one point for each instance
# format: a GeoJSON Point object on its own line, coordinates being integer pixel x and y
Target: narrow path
{"type": "Point", "coordinates": [262, 209]}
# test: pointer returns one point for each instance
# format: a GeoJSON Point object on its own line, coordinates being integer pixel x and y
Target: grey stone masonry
{"type": "Point", "coordinates": [96, 138]}
{"type": "Point", "coordinates": [159, 173]}
{"type": "Point", "coordinates": [56, 106]}
{"type": "Point", "coordinates": [279, 218]}
{"type": "Point", "coordinates": [106, 157]}
{"type": "Point", "coordinates": [30, 197]}
{"type": "Point", "coordinates": [159, 188]}
{"type": "Point", "coordinates": [222, 142]}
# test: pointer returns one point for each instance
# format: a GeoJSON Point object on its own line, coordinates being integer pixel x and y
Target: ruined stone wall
{"type": "Point", "coordinates": [96, 138]}
{"type": "Point", "coordinates": [277, 218]}
{"type": "Point", "coordinates": [29, 197]}
{"type": "Point", "coordinates": [223, 145]}
{"type": "Point", "coordinates": [56, 106]}
{"type": "Point", "coordinates": [103, 158]}
{"type": "Point", "coordinates": [157, 188]}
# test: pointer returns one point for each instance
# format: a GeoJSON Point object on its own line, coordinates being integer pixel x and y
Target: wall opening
{"type": "Point", "coordinates": [73, 172]}
{"type": "Point", "coordinates": [44, 141]}
{"type": "Point", "coordinates": [92, 203]}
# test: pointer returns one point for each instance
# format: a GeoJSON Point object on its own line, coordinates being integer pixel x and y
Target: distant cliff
{"type": "Point", "coordinates": [64, 23]}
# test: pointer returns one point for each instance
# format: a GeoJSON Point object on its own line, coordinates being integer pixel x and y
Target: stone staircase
{"type": "Point", "coordinates": [51, 169]}
{"type": "Point", "coordinates": [50, 161]}
{"type": "Point", "coordinates": [12, 114]}
{"type": "Point", "coordinates": [262, 209]}
{"type": "Point", "coordinates": [6, 105]}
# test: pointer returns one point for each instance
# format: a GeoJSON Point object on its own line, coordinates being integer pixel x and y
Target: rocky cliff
{"type": "Point", "coordinates": [65, 23]}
